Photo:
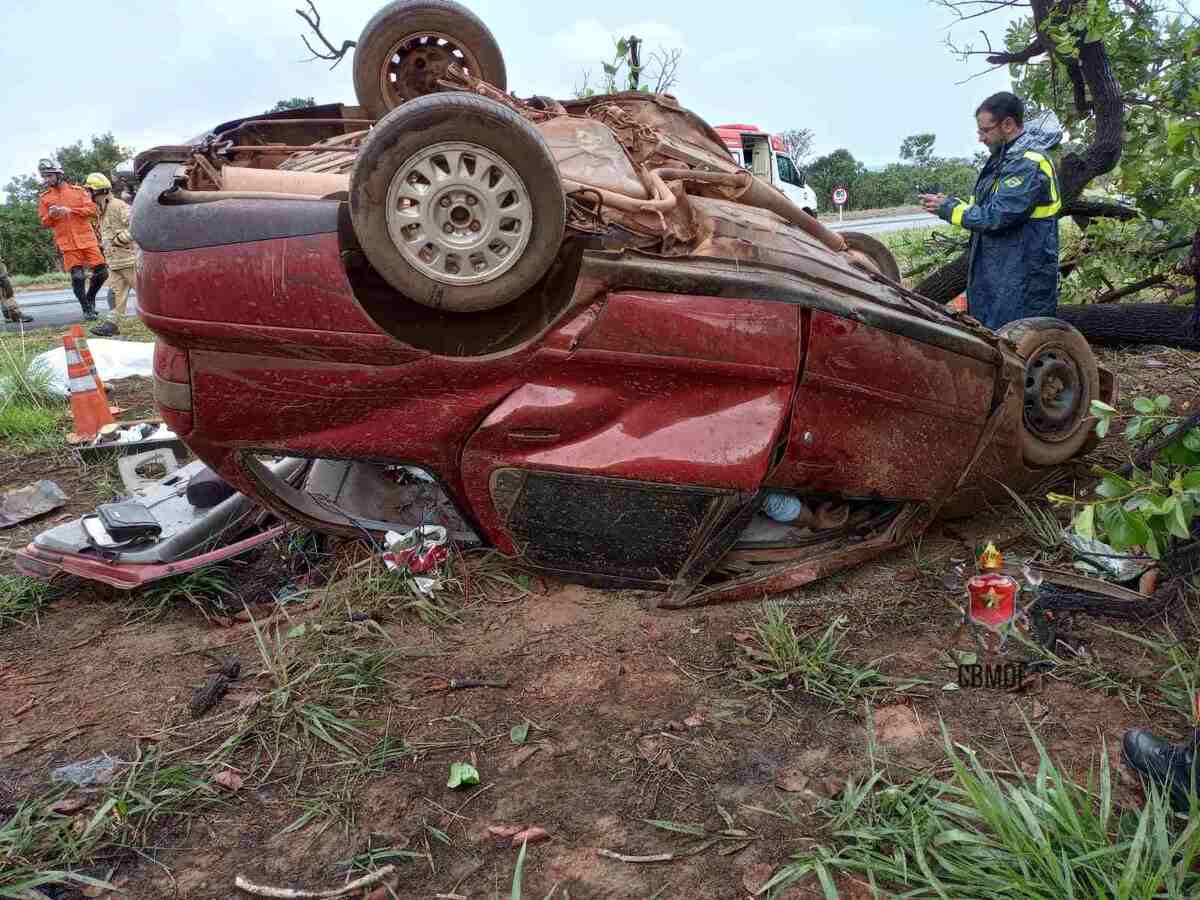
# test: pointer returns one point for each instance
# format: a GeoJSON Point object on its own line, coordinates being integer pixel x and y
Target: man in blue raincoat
{"type": "Point", "coordinates": [1012, 217]}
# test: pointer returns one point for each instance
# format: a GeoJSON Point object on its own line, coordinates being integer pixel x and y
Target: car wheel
{"type": "Point", "coordinates": [408, 45]}
{"type": "Point", "coordinates": [1062, 379]}
{"type": "Point", "coordinates": [457, 202]}
{"type": "Point", "coordinates": [875, 250]}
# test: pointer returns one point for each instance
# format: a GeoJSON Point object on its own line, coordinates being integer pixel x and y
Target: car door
{"type": "Point", "coordinates": [630, 456]}
{"type": "Point", "coordinates": [791, 183]}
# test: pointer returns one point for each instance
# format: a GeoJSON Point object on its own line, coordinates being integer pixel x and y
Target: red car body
{"type": "Point", "coordinates": [626, 442]}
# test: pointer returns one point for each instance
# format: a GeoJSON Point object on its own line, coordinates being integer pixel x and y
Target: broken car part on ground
{"type": "Point", "coordinates": [605, 340]}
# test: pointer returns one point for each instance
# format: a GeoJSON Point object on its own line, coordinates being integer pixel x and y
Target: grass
{"type": "Point", "coordinates": [31, 415]}
{"type": "Point", "coordinates": [372, 588]}
{"type": "Point", "coordinates": [39, 846]}
{"type": "Point", "coordinates": [980, 835]}
{"type": "Point", "coordinates": [21, 598]}
{"type": "Point", "coordinates": [45, 281]}
{"type": "Point", "coordinates": [815, 663]}
{"type": "Point", "coordinates": [205, 589]}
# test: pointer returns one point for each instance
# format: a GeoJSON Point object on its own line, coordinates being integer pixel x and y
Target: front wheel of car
{"type": "Point", "coordinates": [1062, 378]}
{"type": "Point", "coordinates": [457, 202]}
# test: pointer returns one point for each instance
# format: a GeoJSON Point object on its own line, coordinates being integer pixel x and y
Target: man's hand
{"type": "Point", "coordinates": [932, 202]}
{"type": "Point", "coordinates": [57, 212]}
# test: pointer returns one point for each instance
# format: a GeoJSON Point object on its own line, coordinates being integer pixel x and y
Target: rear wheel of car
{"type": "Point", "coordinates": [457, 202]}
{"type": "Point", "coordinates": [408, 45]}
{"type": "Point", "coordinates": [1062, 379]}
{"type": "Point", "coordinates": [875, 250]}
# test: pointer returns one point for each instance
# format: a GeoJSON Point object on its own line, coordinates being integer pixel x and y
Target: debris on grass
{"type": "Point", "coordinates": [26, 503]}
{"type": "Point", "coordinates": [359, 884]}
{"type": "Point", "coordinates": [229, 779]}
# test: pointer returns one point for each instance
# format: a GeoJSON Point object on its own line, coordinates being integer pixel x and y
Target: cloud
{"type": "Point", "coordinates": [837, 36]}
{"type": "Point", "coordinates": [587, 41]}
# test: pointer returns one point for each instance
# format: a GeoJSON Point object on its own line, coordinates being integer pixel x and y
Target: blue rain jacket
{"type": "Point", "coordinates": [1013, 221]}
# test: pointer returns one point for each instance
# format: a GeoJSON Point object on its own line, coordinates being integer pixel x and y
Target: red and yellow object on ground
{"type": "Point", "coordinates": [993, 596]}
{"type": "Point", "coordinates": [959, 303]}
{"type": "Point", "coordinates": [89, 408]}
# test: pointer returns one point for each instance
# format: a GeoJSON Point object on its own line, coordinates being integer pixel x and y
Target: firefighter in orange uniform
{"type": "Point", "coordinates": [68, 210]}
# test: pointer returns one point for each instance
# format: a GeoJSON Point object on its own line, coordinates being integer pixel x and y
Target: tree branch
{"type": "Point", "coordinates": [1130, 289]}
{"type": "Point", "coordinates": [1037, 48]}
{"type": "Point", "coordinates": [314, 22]}
{"type": "Point", "coordinates": [1097, 210]}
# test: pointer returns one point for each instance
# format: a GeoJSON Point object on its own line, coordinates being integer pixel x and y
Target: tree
{"type": "Point", "coordinates": [798, 143]}
{"type": "Point", "coordinates": [294, 103]}
{"type": "Point", "coordinates": [837, 168]}
{"type": "Point", "coordinates": [661, 70]}
{"type": "Point", "coordinates": [918, 148]}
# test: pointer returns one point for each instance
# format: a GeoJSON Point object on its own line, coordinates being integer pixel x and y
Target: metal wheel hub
{"type": "Point", "coordinates": [459, 213]}
{"type": "Point", "coordinates": [1053, 393]}
{"type": "Point", "coordinates": [417, 61]}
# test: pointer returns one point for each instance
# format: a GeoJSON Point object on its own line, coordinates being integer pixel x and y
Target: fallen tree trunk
{"type": "Point", "coordinates": [1133, 324]}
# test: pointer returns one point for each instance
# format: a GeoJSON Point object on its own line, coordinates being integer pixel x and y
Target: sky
{"type": "Point", "coordinates": [862, 74]}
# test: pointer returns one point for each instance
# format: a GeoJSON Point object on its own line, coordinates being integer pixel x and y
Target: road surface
{"type": "Point", "coordinates": [58, 308]}
{"type": "Point", "coordinates": [879, 226]}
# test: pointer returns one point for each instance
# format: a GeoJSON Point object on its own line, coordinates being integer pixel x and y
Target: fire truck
{"type": "Point", "coordinates": [764, 155]}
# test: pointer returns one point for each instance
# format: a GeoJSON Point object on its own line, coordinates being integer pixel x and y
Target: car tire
{"type": "Point", "coordinates": [406, 46]}
{"type": "Point", "coordinates": [876, 250]}
{"type": "Point", "coordinates": [1058, 359]}
{"type": "Point", "coordinates": [457, 202]}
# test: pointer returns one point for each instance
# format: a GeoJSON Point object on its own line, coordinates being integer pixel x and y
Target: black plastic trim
{"type": "Point", "coordinates": [159, 227]}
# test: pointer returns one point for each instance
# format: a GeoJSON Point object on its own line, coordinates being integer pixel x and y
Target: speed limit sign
{"type": "Point", "coordinates": [840, 197]}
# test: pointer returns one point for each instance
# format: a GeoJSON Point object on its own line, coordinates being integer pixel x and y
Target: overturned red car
{"type": "Point", "coordinates": [608, 343]}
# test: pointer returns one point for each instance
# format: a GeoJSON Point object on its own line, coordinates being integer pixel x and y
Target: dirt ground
{"type": "Point", "coordinates": [634, 713]}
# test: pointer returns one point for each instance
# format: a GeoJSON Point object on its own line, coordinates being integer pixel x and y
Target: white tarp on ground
{"type": "Point", "coordinates": [114, 360]}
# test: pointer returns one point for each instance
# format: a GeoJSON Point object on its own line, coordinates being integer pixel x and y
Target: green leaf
{"type": "Point", "coordinates": [462, 773]}
{"type": "Point", "coordinates": [297, 631]}
{"type": "Point", "coordinates": [1124, 530]}
{"type": "Point", "coordinates": [518, 873]}
{"type": "Point", "coordinates": [1191, 440]}
{"type": "Point", "coordinates": [1102, 427]}
{"type": "Point", "coordinates": [1113, 486]}
{"type": "Point", "coordinates": [622, 47]}
{"type": "Point", "coordinates": [1189, 174]}
{"type": "Point", "coordinates": [1178, 524]}
{"type": "Point", "coordinates": [1144, 405]}
{"type": "Point", "coordinates": [519, 733]}
{"type": "Point", "coordinates": [1162, 402]}
{"type": "Point", "coordinates": [1191, 481]}
{"type": "Point", "coordinates": [610, 69]}
{"type": "Point", "coordinates": [1085, 522]}
{"type": "Point", "coordinates": [1134, 426]}
{"type": "Point", "coordinates": [1100, 408]}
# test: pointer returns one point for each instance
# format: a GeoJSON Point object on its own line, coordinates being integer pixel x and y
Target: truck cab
{"type": "Point", "coordinates": [765, 156]}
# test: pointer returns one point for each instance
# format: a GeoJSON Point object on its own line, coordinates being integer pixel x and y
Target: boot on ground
{"type": "Point", "coordinates": [1173, 767]}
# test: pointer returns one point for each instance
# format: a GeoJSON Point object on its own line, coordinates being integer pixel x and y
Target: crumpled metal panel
{"type": "Point", "coordinates": [28, 502]}
{"type": "Point", "coordinates": [587, 152]}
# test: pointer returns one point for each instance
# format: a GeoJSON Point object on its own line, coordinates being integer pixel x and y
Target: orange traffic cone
{"type": "Point", "coordinates": [88, 407]}
{"type": "Point", "coordinates": [86, 355]}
